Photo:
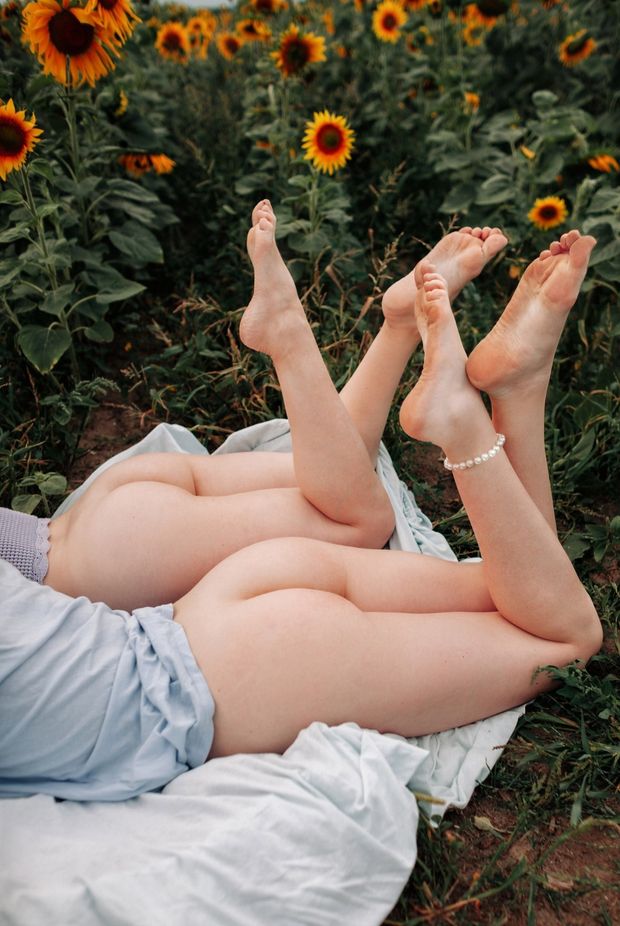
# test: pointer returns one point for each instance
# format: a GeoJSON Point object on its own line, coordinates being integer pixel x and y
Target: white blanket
{"type": "Point", "coordinates": [324, 834]}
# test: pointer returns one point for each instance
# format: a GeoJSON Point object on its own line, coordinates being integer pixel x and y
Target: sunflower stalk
{"type": "Point", "coordinates": [49, 266]}
{"type": "Point", "coordinates": [74, 150]}
{"type": "Point", "coordinates": [40, 229]}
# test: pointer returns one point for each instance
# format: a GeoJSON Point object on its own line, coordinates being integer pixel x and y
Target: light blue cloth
{"type": "Point", "coordinates": [95, 704]}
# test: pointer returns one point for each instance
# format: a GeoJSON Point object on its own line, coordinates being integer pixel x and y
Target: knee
{"type": "Point", "coordinates": [589, 638]}
{"type": "Point", "coordinates": [376, 525]}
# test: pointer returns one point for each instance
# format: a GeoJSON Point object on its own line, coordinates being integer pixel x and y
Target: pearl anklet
{"type": "Point", "coordinates": [476, 461]}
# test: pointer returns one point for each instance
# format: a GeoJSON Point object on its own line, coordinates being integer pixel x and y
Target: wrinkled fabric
{"type": "Point", "coordinates": [95, 704]}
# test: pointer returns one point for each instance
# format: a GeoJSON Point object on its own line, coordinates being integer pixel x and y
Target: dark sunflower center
{"type": "Point", "coordinates": [492, 7]}
{"type": "Point", "coordinates": [329, 139]}
{"type": "Point", "coordinates": [389, 22]}
{"type": "Point", "coordinates": [232, 44]}
{"type": "Point", "coordinates": [250, 29]}
{"type": "Point", "coordinates": [297, 53]}
{"type": "Point", "coordinates": [172, 41]}
{"type": "Point", "coordinates": [548, 212]}
{"type": "Point", "coordinates": [12, 138]}
{"type": "Point", "coordinates": [108, 4]}
{"type": "Point", "coordinates": [577, 45]}
{"type": "Point", "coordinates": [264, 6]}
{"type": "Point", "coordinates": [69, 35]}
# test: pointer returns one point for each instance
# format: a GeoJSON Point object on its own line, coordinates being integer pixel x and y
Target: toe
{"type": "Point", "coordinates": [580, 251]}
{"type": "Point", "coordinates": [555, 247]}
{"type": "Point", "coordinates": [494, 243]}
{"type": "Point", "coordinates": [467, 230]}
{"type": "Point", "coordinates": [477, 231]}
{"type": "Point", "coordinates": [486, 231]}
{"type": "Point", "coordinates": [545, 254]}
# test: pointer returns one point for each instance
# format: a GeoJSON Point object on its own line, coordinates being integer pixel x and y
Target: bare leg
{"type": "Point", "coordinates": [145, 532]}
{"type": "Point", "coordinates": [513, 362]}
{"type": "Point", "coordinates": [290, 632]}
{"type": "Point", "coordinates": [331, 463]}
{"type": "Point", "coordinates": [368, 395]}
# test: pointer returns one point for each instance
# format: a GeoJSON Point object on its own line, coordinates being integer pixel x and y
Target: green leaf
{"type": "Point", "coordinates": [52, 484]}
{"type": "Point", "coordinates": [460, 198]}
{"type": "Point", "coordinates": [25, 503]}
{"type": "Point", "coordinates": [47, 209]}
{"type": "Point", "coordinates": [42, 168]}
{"type": "Point", "coordinates": [14, 234]}
{"type": "Point", "coordinates": [6, 278]}
{"type": "Point", "coordinates": [100, 332]}
{"type": "Point", "coordinates": [56, 301]}
{"type": "Point", "coordinates": [544, 99]}
{"type": "Point", "coordinates": [138, 243]}
{"type": "Point", "coordinates": [575, 546]}
{"type": "Point", "coordinates": [495, 190]}
{"type": "Point", "coordinates": [11, 196]}
{"type": "Point", "coordinates": [43, 347]}
{"type": "Point", "coordinates": [121, 292]}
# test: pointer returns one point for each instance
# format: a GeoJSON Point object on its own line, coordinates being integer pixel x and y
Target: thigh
{"type": "Point", "coordinates": [148, 543]}
{"type": "Point", "coordinates": [281, 644]}
{"type": "Point", "coordinates": [276, 663]}
{"type": "Point", "coordinates": [199, 474]}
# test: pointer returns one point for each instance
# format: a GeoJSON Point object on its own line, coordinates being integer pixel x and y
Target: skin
{"type": "Point", "coordinates": [151, 527]}
{"type": "Point", "coordinates": [293, 631]}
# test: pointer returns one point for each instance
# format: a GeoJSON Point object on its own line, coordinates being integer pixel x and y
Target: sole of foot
{"type": "Point", "coordinates": [442, 397]}
{"type": "Point", "coordinates": [518, 352]}
{"type": "Point", "coordinates": [274, 312]}
{"type": "Point", "coordinates": [459, 257]}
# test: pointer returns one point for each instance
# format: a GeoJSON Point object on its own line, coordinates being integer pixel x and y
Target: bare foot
{"type": "Point", "coordinates": [274, 310]}
{"type": "Point", "coordinates": [443, 398]}
{"type": "Point", "coordinates": [518, 352]}
{"type": "Point", "coordinates": [459, 257]}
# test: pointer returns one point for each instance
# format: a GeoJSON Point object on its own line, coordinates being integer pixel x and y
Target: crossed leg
{"type": "Point", "coordinates": [135, 539]}
{"type": "Point", "coordinates": [292, 631]}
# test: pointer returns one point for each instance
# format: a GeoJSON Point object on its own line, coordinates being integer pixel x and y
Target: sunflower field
{"type": "Point", "coordinates": [135, 139]}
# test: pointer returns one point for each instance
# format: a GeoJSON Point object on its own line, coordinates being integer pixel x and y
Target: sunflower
{"type": "Point", "coordinates": [135, 164]}
{"type": "Point", "coordinates": [488, 11]}
{"type": "Point", "coordinates": [527, 152]}
{"type": "Point", "coordinates": [328, 141]}
{"type": "Point", "coordinates": [387, 20]}
{"type": "Point", "coordinates": [297, 49]}
{"type": "Point", "coordinates": [472, 101]}
{"type": "Point", "coordinates": [162, 164]}
{"type": "Point", "coordinates": [56, 31]}
{"type": "Point", "coordinates": [173, 42]}
{"type": "Point", "coordinates": [117, 16]}
{"type": "Point", "coordinates": [253, 30]}
{"type": "Point", "coordinates": [268, 7]}
{"type": "Point", "coordinates": [228, 44]}
{"type": "Point", "coordinates": [18, 136]}
{"type": "Point", "coordinates": [139, 164]}
{"type": "Point", "coordinates": [122, 104]}
{"type": "Point", "coordinates": [605, 163]}
{"type": "Point", "coordinates": [328, 21]}
{"type": "Point", "coordinates": [200, 34]}
{"type": "Point", "coordinates": [576, 48]}
{"type": "Point", "coordinates": [548, 212]}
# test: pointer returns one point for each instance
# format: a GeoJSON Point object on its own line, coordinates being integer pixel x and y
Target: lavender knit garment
{"type": "Point", "coordinates": [24, 542]}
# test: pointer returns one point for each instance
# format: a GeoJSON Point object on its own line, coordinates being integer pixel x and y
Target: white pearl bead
{"type": "Point", "coordinates": [477, 461]}
{"type": "Point", "coordinates": [485, 457]}
{"type": "Point", "coordinates": [469, 464]}
{"type": "Point", "coordinates": [462, 465]}
{"type": "Point", "coordinates": [492, 451]}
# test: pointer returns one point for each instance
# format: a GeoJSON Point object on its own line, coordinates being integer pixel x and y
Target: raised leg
{"type": "Point", "coordinates": [294, 631]}
{"type": "Point", "coordinates": [368, 395]}
{"type": "Point", "coordinates": [513, 362]}
{"type": "Point", "coordinates": [331, 463]}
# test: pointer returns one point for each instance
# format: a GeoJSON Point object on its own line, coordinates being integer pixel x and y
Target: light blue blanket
{"type": "Point", "coordinates": [324, 834]}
